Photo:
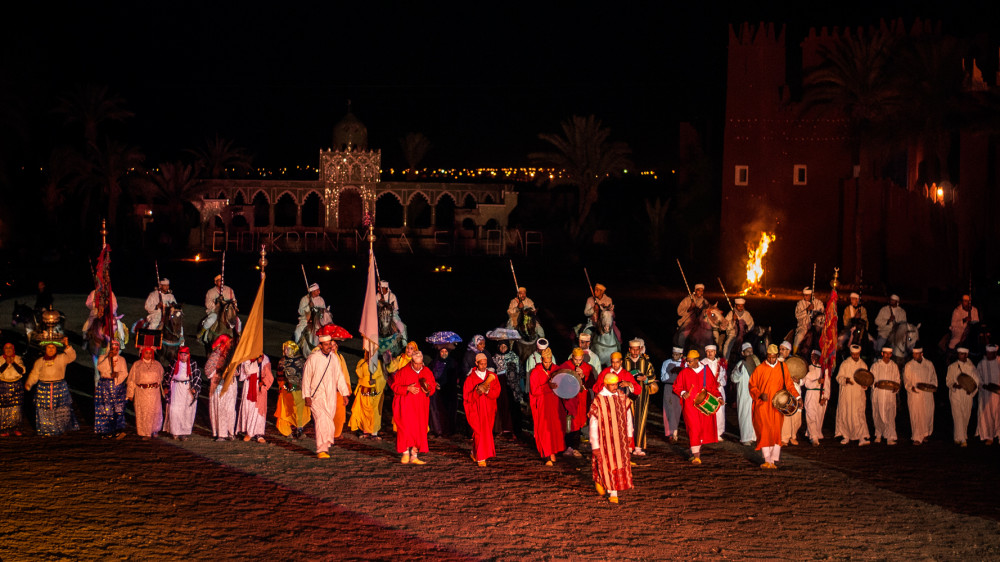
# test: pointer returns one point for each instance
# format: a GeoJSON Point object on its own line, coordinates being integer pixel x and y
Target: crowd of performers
{"type": "Point", "coordinates": [486, 391]}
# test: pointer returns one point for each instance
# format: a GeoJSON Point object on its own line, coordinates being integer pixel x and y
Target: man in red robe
{"type": "Point", "coordinates": [412, 385]}
{"type": "Point", "coordinates": [701, 427]}
{"type": "Point", "coordinates": [546, 412]}
{"type": "Point", "coordinates": [611, 433]}
{"type": "Point", "coordinates": [626, 382]}
{"type": "Point", "coordinates": [576, 408]}
{"type": "Point", "coordinates": [479, 396]}
{"type": "Point", "coordinates": [766, 380]}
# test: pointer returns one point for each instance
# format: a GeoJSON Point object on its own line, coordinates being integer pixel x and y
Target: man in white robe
{"type": "Point", "coordinates": [808, 314]}
{"type": "Point", "coordinates": [988, 427]}
{"type": "Point", "coordinates": [883, 400]}
{"type": "Point", "coordinates": [717, 367]}
{"type": "Point", "coordinates": [962, 318]}
{"type": "Point", "coordinates": [920, 402]}
{"type": "Point", "coordinates": [816, 395]}
{"type": "Point", "coordinates": [257, 378]}
{"type": "Point", "coordinates": [156, 302]}
{"type": "Point", "coordinates": [851, 421]}
{"type": "Point", "coordinates": [744, 402]}
{"type": "Point", "coordinates": [183, 384]}
{"type": "Point", "coordinates": [309, 306]}
{"type": "Point", "coordinates": [517, 304]}
{"type": "Point", "coordinates": [961, 400]}
{"type": "Point", "coordinates": [686, 310]}
{"type": "Point", "coordinates": [739, 320]}
{"type": "Point", "coordinates": [886, 320]}
{"type": "Point", "coordinates": [221, 406]}
{"type": "Point", "coordinates": [671, 402]}
{"type": "Point", "coordinates": [215, 298]}
{"type": "Point", "coordinates": [323, 382]}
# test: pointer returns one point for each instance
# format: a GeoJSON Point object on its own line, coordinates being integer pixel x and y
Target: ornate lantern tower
{"type": "Point", "coordinates": [349, 164]}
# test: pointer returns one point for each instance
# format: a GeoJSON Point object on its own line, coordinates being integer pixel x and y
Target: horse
{"type": "Point", "coordinates": [227, 321]}
{"type": "Point", "coordinates": [902, 339]}
{"type": "Point", "coordinates": [173, 333]}
{"type": "Point", "coordinates": [705, 327]}
{"type": "Point", "coordinates": [975, 338]}
{"type": "Point", "coordinates": [855, 333]}
{"type": "Point", "coordinates": [39, 326]}
{"type": "Point", "coordinates": [391, 332]}
{"type": "Point", "coordinates": [603, 337]}
{"type": "Point", "coordinates": [96, 340]}
{"type": "Point", "coordinates": [27, 317]}
{"type": "Point", "coordinates": [759, 337]}
{"type": "Point", "coordinates": [530, 330]}
{"type": "Point", "coordinates": [318, 317]}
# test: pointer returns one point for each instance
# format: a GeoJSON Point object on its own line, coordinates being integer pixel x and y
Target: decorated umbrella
{"type": "Point", "coordinates": [503, 334]}
{"type": "Point", "coordinates": [338, 333]}
{"type": "Point", "coordinates": [440, 338]}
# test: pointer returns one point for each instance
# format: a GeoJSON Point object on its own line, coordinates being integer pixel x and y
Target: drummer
{"type": "Point", "coordinates": [768, 379]}
{"type": "Point", "coordinates": [701, 426]}
{"type": "Point", "coordinates": [961, 399]}
{"type": "Point", "coordinates": [575, 409]}
{"type": "Point", "coordinates": [919, 374]}
{"type": "Point", "coordinates": [884, 397]}
{"type": "Point", "coordinates": [852, 400]}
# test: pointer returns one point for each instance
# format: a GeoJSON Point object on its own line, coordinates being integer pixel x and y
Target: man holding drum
{"type": "Point", "coordinates": [960, 393]}
{"type": "Point", "coordinates": [700, 399]}
{"type": "Point", "coordinates": [851, 421]}
{"type": "Point", "coordinates": [921, 381]}
{"type": "Point", "coordinates": [768, 379]}
{"type": "Point", "coordinates": [884, 397]}
{"type": "Point", "coordinates": [988, 428]}
{"type": "Point", "coordinates": [545, 408]}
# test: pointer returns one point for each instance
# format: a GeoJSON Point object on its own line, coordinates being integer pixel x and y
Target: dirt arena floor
{"type": "Point", "coordinates": [77, 497]}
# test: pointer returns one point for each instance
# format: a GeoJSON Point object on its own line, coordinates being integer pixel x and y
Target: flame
{"type": "Point", "coordinates": [755, 261]}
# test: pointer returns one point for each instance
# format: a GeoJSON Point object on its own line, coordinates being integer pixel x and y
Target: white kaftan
{"type": "Point", "coordinates": [920, 402]}
{"type": "Point", "coordinates": [961, 401]}
{"type": "Point", "coordinates": [884, 401]}
{"type": "Point", "coordinates": [324, 382]}
{"type": "Point", "coordinates": [852, 399]}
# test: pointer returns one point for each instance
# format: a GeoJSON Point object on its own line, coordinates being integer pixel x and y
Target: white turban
{"type": "Point", "coordinates": [699, 286]}
{"type": "Point", "coordinates": [678, 350]}
{"type": "Point", "coordinates": [807, 291]}
{"type": "Point", "coordinates": [746, 346]}
{"type": "Point", "coordinates": [712, 347]}
{"type": "Point", "coordinates": [165, 281]}
{"type": "Point", "coordinates": [740, 300]}
{"type": "Point", "coordinates": [313, 287]}
{"type": "Point", "coordinates": [964, 350]}
{"type": "Point", "coordinates": [786, 344]}
{"type": "Point", "coordinates": [855, 296]}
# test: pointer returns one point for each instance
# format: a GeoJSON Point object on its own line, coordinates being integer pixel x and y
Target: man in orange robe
{"type": "Point", "coordinates": [766, 380]}
{"type": "Point", "coordinates": [411, 406]}
{"type": "Point", "coordinates": [701, 427]}
{"type": "Point", "coordinates": [546, 412]}
{"type": "Point", "coordinates": [481, 407]}
{"type": "Point", "coordinates": [576, 407]}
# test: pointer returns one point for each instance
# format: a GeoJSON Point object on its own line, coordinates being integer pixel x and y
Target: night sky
{"type": "Point", "coordinates": [479, 80]}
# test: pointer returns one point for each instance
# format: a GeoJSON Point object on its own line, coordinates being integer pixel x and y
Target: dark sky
{"type": "Point", "coordinates": [480, 80]}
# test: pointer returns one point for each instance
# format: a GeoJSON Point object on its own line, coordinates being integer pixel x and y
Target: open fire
{"type": "Point", "coordinates": [755, 263]}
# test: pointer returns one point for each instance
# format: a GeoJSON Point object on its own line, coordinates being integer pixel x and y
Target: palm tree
{"type": "Point", "coordinates": [218, 155]}
{"type": "Point", "coordinates": [91, 105]}
{"type": "Point", "coordinates": [175, 185]}
{"type": "Point", "coordinates": [415, 147]}
{"type": "Point", "coordinates": [108, 168]}
{"type": "Point", "coordinates": [62, 176]}
{"type": "Point", "coordinates": [587, 158]}
{"type": "Point", "coordinates": [856, 82]}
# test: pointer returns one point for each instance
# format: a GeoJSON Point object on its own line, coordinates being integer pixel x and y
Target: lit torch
{"type": "Point", "coordinates": [755, 262]}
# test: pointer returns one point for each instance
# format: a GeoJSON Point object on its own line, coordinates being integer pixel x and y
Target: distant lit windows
{"type": "Point", "coordinates": [799, 174]}
{"type": "Point", "coordinates": [742, 175]}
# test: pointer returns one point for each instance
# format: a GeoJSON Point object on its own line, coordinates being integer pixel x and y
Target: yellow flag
{"type": "Point", "coordinates": [251, 344]}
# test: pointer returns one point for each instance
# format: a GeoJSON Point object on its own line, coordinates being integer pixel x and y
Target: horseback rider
{"type": "Point", "coordinates": [309, 306]}
{"type": "Point", "coordinates": [388, 298]}
{"type": "Point", "coordinates": [596, 304]}
{"type": "Point", "coordinates": [963, 318]}
{"type": "Point", "coordinates": [94, 312]}
{"type": "Point", "coordinates": [739, 316]}
{"type": "Point", "coordinates": [692, 305]}
{"type": "Point", "coordinates": [890, 315]}
{"type": "Point", "coordinates": [215, 299]}
{"type": "Point", "coordinates": [517, 304]}
{"type": "Point", "coordinates": [157, 301]}
{"type": "Point", "coordinates": [808, 315]}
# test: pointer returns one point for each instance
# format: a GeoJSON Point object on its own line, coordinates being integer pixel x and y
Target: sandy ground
{"type": "Point", "coordinates": [79, 497]}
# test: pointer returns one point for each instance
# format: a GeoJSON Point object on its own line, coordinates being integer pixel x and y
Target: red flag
{"type": "Point", "coordinates": [102, 294]}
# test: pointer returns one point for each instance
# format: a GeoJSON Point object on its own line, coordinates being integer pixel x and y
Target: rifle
{"type": "Point", "coordinates": [684, 277]}
{"type": "Point", "coordinates": [159, 294]}
{"type": "Point", "coordinates": [517, 287]}
{"type": "Point", "coordinates": [597, 307]}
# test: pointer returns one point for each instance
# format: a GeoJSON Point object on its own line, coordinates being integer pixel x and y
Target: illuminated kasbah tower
{"type": "Point", "coordinates": [349, 169]}
{"type": "Point", "coordinates": [781, 172]}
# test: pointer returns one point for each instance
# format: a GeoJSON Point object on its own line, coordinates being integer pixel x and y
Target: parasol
{"type": "Point", "coordinates": [439, 338]}
{"type": "Point", "coordinates": [501, 334]}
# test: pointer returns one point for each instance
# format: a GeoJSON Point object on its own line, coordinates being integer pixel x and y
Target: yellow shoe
{"type": "Point", "coordinates": [600, 489]}
{"type": "Point", "coordinates": [405, 459]}
{"type": "Point", "coordinates": [613, 499]}
{"type": "Point", "coordinates": [766, 465]}
{"type": "Point", "coordinates": [481, 463]}
{"type": "Point", "coordinates": [548, 463]}
{"type": "Point", "coordinates": [415, 460]}
{"type": "Point", "coordinates": [695, 460]}
{"type": "Point", "coordinates": [322, 455]}
{"type": "Point", "coordinates": [963, 444]}
{"type": "Point", "coordinates": [772, 466]}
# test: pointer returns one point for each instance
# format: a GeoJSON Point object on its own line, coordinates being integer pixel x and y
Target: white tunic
{"type": "Point", "coordinates": [989, 401]}
{"type": "Point", "coordinates": [304, 310]}
{"type": "Point", "coordinates": [961, 401]}
{"type": "Point", "coordinates": [920, 402]}
{"type": "Point", "coordinates": [744, 403]}
{"type": "Point", "coordinates": [513, 311]}
{"type": "Point", "coordinates": [719, 370]}
{"type": "Point", "coordinates": [323, 382]}
{"type": "Point", "coordinates": [884, 320]}
{"type": "Point", "coordinates": [222, 407]}
{"type": "Point", "coordinates": [183, 406]}
{"type": "Point", "coordinates": [744, 316]}
{"type": "Point", "coordinates": [815, 401]}
{"type": "Point", "coordinates": [851, 422]}
{"type": "Point", "coordinates": [792, 424]}
{"type": "Point", "coordinates": [884, 401]}
{"type": "Point", "coordinates": [249, 420]}
{"type": "Point", "coordinates": [154, 314]}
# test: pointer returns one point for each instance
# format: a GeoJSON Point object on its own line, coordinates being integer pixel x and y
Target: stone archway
{"type": "Point", "coordinates": [312, 210]}
{"type": "Point", "coordinates": [418, 211]}
{"type": "Point", "coordinates": [444, 212]}
{"type": "Point", "coordinates": [350, 209]}
{"type": "Point", "coordinates": [389, 211]}
{"type": "Point", "coordinates": [286, 211]}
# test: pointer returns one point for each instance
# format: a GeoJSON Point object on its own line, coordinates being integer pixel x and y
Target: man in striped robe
{"type": "Point", "coordinates": [610, 433]}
